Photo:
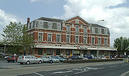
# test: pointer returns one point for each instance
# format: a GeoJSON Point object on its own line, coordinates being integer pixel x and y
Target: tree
{"type": "Point", "coordinates": [121, 44]}
{"type": "Point", "coordinates": [16, 36]}
{"type": "Point", "coordinates": [27, 40]}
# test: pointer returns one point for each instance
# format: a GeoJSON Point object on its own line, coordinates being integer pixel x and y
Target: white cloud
{"type": "Point", "coordinates": [6, 19]}
{"type": "Point", "coordinates": [117, 19]}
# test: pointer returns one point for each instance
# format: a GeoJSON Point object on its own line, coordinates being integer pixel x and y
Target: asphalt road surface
{"type": "Point", "coordinates": [103, 70]}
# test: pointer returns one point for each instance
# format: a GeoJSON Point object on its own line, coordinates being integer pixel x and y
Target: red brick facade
{"type": "Point", "coordinates": [72, 34]}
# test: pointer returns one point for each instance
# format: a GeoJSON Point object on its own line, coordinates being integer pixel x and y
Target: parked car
{"type": "Point", "coordinates": [12, 58]}
{"type": "Point", "coordinates": [54, 59]}
{"type": "Point", "coordinates": [89, 56]}
{"type": "Point", "coordinates": [46, 59]}
{"type": "Point", "coordinates": [61, 59]}
{"type": "Point", "coordinates": [29, 59]}
{"type": "Point", "coordinates": [75, 58]}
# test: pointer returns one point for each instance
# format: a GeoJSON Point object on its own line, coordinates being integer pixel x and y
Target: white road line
{"type": "Point", "coordinates": [62, 72]}
{"type": "Point", "coordinates": [38, 74]}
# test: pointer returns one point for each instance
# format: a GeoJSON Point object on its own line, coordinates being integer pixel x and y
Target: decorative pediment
{"type": "Point", "coordinates": [76, 20]}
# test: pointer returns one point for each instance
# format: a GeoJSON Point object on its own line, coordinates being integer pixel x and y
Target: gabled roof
{"type": "Point", "coordinates": [78, 18]}
{"type": "Point", "coordinates": [50, 19]}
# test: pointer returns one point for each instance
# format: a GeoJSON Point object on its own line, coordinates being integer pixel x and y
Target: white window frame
{"type": "Point", "coordinates": [84, 31]}
{"type": "Point", "coordinates": [83, 39]}
{"type": "Point", "coordinates": [100, 40]}
{"type": "Point", "coordinates": [59, 38]}
{"type": "Point", "coordinates": [67, 29]}
{"type": "Point", "coordinates": [106, 43]}
{"type": "Point", "coordinates": [38, 36]}
{"type": "Point", "coordinates": [69, 38]}
{"type": "Point", "coordinates": [78, 38]}
{"type": "Point", "coordinates": [51, 37]}
{"type": "Point", "coordinates": [92, 40]}
{"type": "Point", "coordinates": [77, 31]}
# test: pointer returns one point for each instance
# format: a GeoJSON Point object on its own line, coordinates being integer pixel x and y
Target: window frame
{"type": "Point", "coordinates": [59, 38]}
{"type": "Point", "coordinates": [48, 38]}
{"type": "Point", "coordinates": [41, 36]}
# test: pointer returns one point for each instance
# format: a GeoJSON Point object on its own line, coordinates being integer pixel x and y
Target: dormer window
{"type": "Point", "coordinates": [96, 30]}
{"type": "Point", "coordinates": [45, 24]}
{"type": "Point", "coordinates": [54, 26]}
{"type": "Point", "coordinates": [102, 31]}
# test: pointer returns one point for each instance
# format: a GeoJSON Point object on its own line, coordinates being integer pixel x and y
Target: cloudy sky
{"type": "Point", "coordinates": [115, 13]}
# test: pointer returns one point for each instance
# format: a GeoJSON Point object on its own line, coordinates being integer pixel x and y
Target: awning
{"type": "Point", "coordinates": [56, 47]}
{"type": "Point", "coordinates": [75, 47]}
{"type": "Point", "coordinates": [102, 48]}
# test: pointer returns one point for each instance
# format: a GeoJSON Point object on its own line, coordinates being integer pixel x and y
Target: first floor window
{"type": "Point", "coordinates": [84, 40]}
{"type": "Point", "coordinates": [105, 41]}
{"type": "Point", "coordinates": [99, 41]}
{"type": "Point", "coordinates": [93, 40]}
{"type": "Point", "coordinates": [76, 39]}
{"type": "Point", "coordinates": [40, 36]}
{"type": "Point", "coordinates": [58, 38]}
{"type": "Point", "coordinates": [49, 37]}
{"type": "Point", "coordinates": [67, 38]}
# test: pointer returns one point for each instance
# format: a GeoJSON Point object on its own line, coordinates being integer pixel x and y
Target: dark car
{"type": "Point", "coordinates": [12, 58]}
{"type": "Point", "coordinates": [89, 56]}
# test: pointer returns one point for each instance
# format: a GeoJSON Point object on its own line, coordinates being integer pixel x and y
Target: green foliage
{"type": "Point", "coordinates": [12, 33]}
{"type": "Point", "coordinates": [122, 44]}
{"type": "Point", "coordinates": [16, 36]}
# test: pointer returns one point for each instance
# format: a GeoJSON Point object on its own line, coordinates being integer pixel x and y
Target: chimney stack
{"type": "Point", "coordinates": [28, 20]}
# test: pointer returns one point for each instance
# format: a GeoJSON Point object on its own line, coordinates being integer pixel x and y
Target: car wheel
{"type": "Point", "coordinates": [28, 62]}
{"type": "Point", "coordinates": [40, 62]}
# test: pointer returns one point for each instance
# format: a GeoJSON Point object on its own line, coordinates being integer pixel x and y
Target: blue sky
{"type": "Point", "coordinates": [115, 13]}
{"type": "Point", "coordinates": [26, 8]}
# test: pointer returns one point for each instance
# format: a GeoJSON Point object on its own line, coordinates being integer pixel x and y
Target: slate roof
{"type": "Point", "coordinates": [96, 25]}
{"type": "Point", "coordinates": [50, 19]}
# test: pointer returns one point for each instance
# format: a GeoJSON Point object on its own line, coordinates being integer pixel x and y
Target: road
{"type": "Point", "coordinates": [102, 70]}
{"type": "Point", "coordinates": [115, 68]}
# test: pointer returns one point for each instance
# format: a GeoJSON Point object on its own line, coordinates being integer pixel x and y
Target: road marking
{"type": "Point", "coordinates": [38, 74]}
{"type": "Point", "coordinates": [62, 72]}
{"type": "Point", "coordinates": [91, 68]}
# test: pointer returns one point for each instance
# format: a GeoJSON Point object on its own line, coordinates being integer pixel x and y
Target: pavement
{"type": "Point", "coordinates": [14, 69]}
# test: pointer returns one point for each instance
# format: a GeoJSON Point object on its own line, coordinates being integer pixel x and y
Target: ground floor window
{"type": "Point", "coordinates": [49, 52]}
{"type": "Point", "coordinates": [67, 52]}
{"type": "Point", "coordinates": [57, 52]}
{"type": "Point", "coordinates": [40, 51]}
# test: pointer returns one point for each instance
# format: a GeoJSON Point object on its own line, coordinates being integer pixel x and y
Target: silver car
{"type": "Point", "coordinates": [29, 59]}
{"type": "Point", "coordinates": [46, 59]}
